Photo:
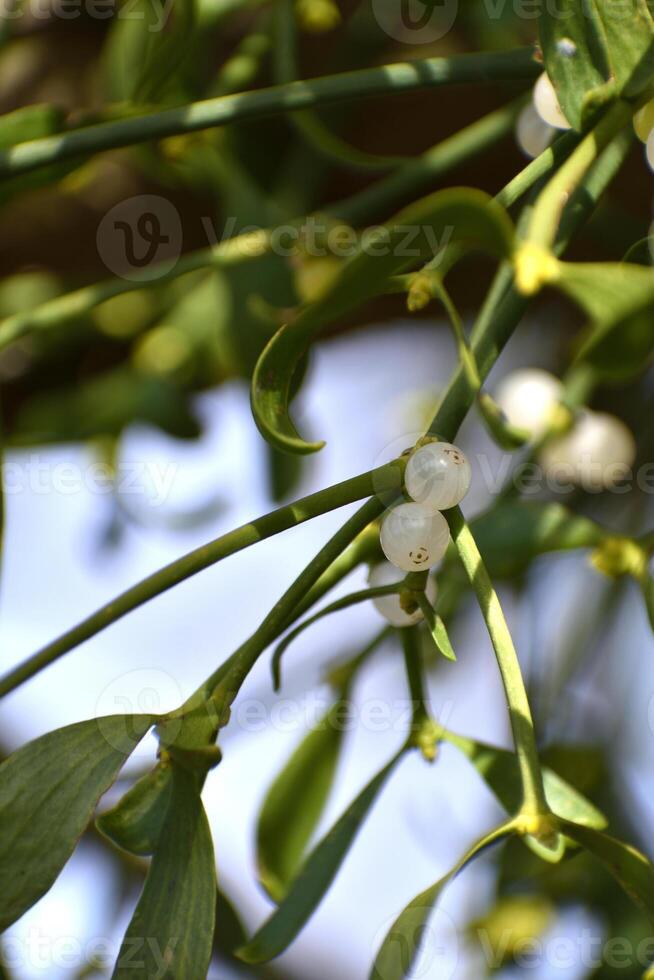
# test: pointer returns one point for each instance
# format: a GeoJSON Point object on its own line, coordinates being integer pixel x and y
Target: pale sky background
{"type": "Point", "coordinates": [360, 397]}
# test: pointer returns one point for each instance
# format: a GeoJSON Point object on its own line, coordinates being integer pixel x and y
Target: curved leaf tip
{"type": "Point", "coordinates": [418, 233]}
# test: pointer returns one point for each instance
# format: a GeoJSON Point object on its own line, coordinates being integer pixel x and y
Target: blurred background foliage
{"type": "Point", "coordinates": [143, 356]}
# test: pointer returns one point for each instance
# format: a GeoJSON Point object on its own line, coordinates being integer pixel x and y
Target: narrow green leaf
{"type": "Point", "coordinates": [296, 801]}
{"type": "Point", "coordinates": [147, 52]}
{"type": "Point", "coordinates": [511, 535]}
{"type": "Point", "coordinates": [619, 298]}
{"type": "Point", "coordinates": [230, 933]}
{"type": "Point", "coordinates": [171, 932]}
{"type": "Point", "coordinates": [436, 627]}
{"type": "Point", "coordinates": [29, 123]}
{"type": "Point", "coordinates": [135, 823]}
{"type": "Point", "coordinates": [499, 769]}
{"type": "Point", "coordinates": [415, 234]}
{"type": "Point", "coordinates": [402, 944]}
{"type": "Point", "coordinates": [309, 887]}
{"type": "Point", "coordinates": [48, 791]}
{"type": "Point", "coordinates": [629, 867]}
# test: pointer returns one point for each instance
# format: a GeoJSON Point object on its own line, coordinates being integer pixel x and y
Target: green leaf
{"type": "Point", "coordinates": [511, 535]}
{"type": "Point", "coordinates": [402, 944]}
{"type": "Point", "coordinates": [629, 32]}
{"type": "Point", "coordinates": [311, 884]}
{"type": "Point", "coordinates": [413, 235]}
{"type": "Point", "coordinates": [579, 74]}
{"type": "Point", "coordinates": [135, 823]}
{"type": "Point", "coordinates": [48, 791]}
{"type": "Point", "coordinates": [595, 51]}
{"type": "Point", "coordinates": [296, 801]}
{"type": "Point", "coordinates": [436, 627]}
{"type": "Point", "coordinates": [632, 870]}
{"type": "Point", "coordinates": [171, 932]}
{"type": "Point", "coordinates": [30, 123]}
{"type": "Point", "coordinates": [619, 298]}
{"type": "Point", "coordinates": [499, 769]}
{"type": "Point", "coordinates": [105, 405]}
{"type": "Point", "coordinates": [230, 932]}
{"type": "Point", "coordinates": [147, 52]}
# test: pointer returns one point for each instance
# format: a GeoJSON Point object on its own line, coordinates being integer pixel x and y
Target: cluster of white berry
{"type": "Point", "coordinates": [414, 536]}
{"type": "Point", "coordinates": [596, 450]}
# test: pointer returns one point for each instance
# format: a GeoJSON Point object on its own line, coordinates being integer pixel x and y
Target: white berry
{"type": "Point", "coordinates": [389, 605]}
{"type": "Point", "coordinates": [528, 398]}
{"type": "Point", "coordinates": [596, 454]}
{"type": "Point", "coordinates": [438, 476]}
{"type": "Point", "coordinates": [644, 121]}
{"type": "Point", "coordinates": [649, 150]}
{"type": "Point", "coordinates": [413, 537]}
{"type": "Point", "coordinates": [532, 133]}
{"type": "Point", "coordinates": [547, 104]}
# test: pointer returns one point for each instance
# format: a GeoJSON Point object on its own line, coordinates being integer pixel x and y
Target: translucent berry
{"type": "Point", "coordinates": [547, 104]}
{"type": "Point", "coordinates": [438, 476]}
{"type": "Point", "coordinates": [532, 133]}
{"type": "Point", "coordinates": [649, 150]}
{"type": "Point", "coordinates": [528, 398]}
{"type": "Point", "coordinates": [644, 121]}
{"type": "Point", "coordinates": [389, 605]}
{"type": "Point", "coordinates": [414, 537]}
{"type": "Point", "coordinates": [597, 454]}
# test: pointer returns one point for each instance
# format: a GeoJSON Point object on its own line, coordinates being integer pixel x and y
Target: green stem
{"type": "Point", "coordinates": [364, 549]}
{"type": "Point", "coordinates": [387, 478]}
{"type": "Point", "coordinates": [505, 306]}
{"type": "Point", "coordinates": [424, 170]}
{"type": "Point", "coordinates": [534, 802]}
{"type": "Point", "coordinates": [358, 208]}
{"type": "Point", "coordinates": [549, 206]}
{"type": "Point", "coordinates": [224, 685]}
{"type": "Point", "coordinates": [328, 90]}
{"type": "Point", "coordinates": [501, 313]}
{"type": "Point", "coordinates": [308, 124]}
{"type": "Point", "coordinates": [415, 680]}
{"type": "Point", "coordinates": [534, 263]}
